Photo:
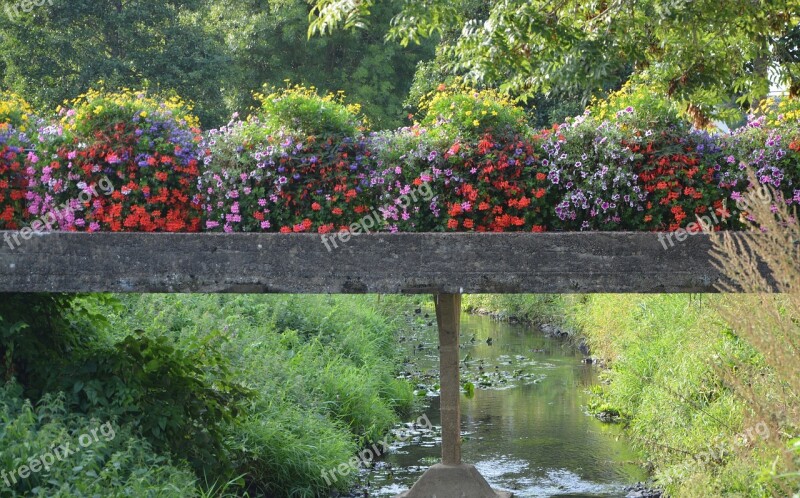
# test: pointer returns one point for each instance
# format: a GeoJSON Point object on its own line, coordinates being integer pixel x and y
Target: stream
{"type": "Point", "coordinates": [526, 428]}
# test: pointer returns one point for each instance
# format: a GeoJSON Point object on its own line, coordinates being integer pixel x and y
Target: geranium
{"type": "Point", "coordinates": [15, 116]}
{"type": "Point", "coordinates": [260, 182]}
{"type": "Point", "coordinates": [146, 148]}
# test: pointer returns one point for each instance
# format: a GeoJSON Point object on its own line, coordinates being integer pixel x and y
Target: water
{"type": "Point", "coordinates": [526, 428]}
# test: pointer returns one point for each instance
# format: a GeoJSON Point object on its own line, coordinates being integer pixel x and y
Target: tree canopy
{"type": "Point", "coordinates": [705, 53]}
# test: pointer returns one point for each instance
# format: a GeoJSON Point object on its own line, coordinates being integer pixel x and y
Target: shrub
{"type": "Point", "coordinates": [769, 145]}
{"type": "Point", "coordinates": [15, 116]}
{"type": "Point", "coordinates": [116, 463]}
{"type": "Point", "coordinates": [590, 175]}
{"type": "Point", "coordinates": [301, 111]}
{"type": "Point", "coordinates": [15, 111]}
{"type": "Point", "coordinates": [464, 113]}
{"type": "Point", "coordinates": [285, 183]}
{"type": "Point", "coordinates": [13, 177]}
{"type": "Point", "coordinates": [119, 162]}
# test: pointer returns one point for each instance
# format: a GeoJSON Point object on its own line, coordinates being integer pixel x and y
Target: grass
{"type": "Point", "coordinates": [668, 356]}
{"type": "Point", "coordinates": [676, 367]}
{"type": "Point", "coordinates": [270, 391]}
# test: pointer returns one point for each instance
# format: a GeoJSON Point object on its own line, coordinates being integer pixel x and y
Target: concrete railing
{"type": "Point", "coordinates": [587, 262]}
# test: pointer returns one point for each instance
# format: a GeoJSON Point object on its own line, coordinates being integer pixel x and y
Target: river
{"type": "Point", "coordinates": [526, 428]}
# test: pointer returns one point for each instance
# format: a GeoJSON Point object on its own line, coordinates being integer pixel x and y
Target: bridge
{"type": "Point", "coordinates": [446, 265]}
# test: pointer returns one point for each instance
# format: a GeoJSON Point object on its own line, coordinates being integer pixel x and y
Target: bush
{"type": "Point", "coordinates": [322, 370]}
{"type": "Point", "coordinates": [285, 183]}
{"type": "Point", "coordinates": [15, 111]}
{"type": "Point", "coordinates": [301, 111]}
{"type": "Point", "coordinates": [463, 113]}
{"type": "Point", "coordinates": [119, 162]}
{"type": "Point", "coordinates": [15, 116]}
{"type": "Point", "coordinates": [116, 463]}
{"type": "Point", "coordinates": [13, 177]}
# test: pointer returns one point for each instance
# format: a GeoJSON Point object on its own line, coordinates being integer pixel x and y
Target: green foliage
{"type": "Point", "coordinates": [59, 50]}
{"type": "Point", "coordinates": [322, 370]}
{"type": "Point", "coordinates": [14, 110]}
{"type": "Point", "coordinates": [667, 354]}
{"type": "Point", "coordinates": [267, 42]}
{"type": "Point", "coordinates": [301, 111]}
{"type": "Point", "coordinates": [180, 396]}
{"type": "Point", "coordinates": [258, 393]}
{"type": "Point", "coordinates": [653, 109]}
{"type": "Point", "coordinates": [468, 114]}
{"type": "Point", "coordinates": [701, 52]}
{"type": "Point", "coordinates": [117, 463]}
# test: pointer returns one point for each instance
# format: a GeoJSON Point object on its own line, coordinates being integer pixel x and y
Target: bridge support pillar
{"type": "Point", "coordinates": [451, 478]}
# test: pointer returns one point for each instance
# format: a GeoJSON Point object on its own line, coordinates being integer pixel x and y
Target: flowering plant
{"type": "Point", "coordinates": [283, 182]}
{"type": "Point", "coordinates": [464, 113]}
{"type": "Point", "coordinates": [590, 171]}
{"type": "Point", "coordinates": [769, 145]}
{"type": "Point", "coordinates": [15, 115]}
{"type": "Point", "coordinates": [299, 110]}
{"type": "Point", "coordinates": [468, 185]}
{"type": "Point", "coordinates": [148, 151]}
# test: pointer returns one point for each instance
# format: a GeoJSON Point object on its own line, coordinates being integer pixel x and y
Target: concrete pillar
{"type": "Point", "coordinates": [451, 478]}
{"type": "Point", "coordinates": [448, 316]}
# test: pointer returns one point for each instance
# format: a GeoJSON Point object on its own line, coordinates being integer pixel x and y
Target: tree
{"type": "Point", "coordinates": [61, 48]}
{"type": "Point", "coordinates": [268, 44]}
{"type": "Point", "coordinates": [702, 53]}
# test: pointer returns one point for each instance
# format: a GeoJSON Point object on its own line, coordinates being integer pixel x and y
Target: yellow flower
{"type": "Point", "coordinates": [469, 113]}
{"type": "Point", "coordinates": [484, 113]}
{"type": "Point", "coordinates": [476, 123]}
{"type": "Point", "coordinates": [143, 114]}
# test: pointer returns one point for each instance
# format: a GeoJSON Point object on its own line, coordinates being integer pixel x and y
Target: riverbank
{"type": "Point", "coordinates": [674, 380]}
{"type": "Point", "coordinates": [264, 393]}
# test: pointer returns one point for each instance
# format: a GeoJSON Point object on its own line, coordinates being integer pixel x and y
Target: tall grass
{"type": "Point", "coordinates": [672, 358]}
{"type": "Point", "coordinates": [322, 367]}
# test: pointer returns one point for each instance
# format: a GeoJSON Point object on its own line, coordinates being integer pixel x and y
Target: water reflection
{"type": "Point", "coordinates": [526, 429]}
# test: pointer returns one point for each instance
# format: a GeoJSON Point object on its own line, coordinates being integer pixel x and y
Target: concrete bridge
{"type": "Point", "coordinates": [443, 264]}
